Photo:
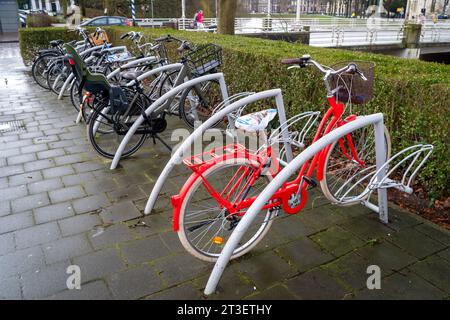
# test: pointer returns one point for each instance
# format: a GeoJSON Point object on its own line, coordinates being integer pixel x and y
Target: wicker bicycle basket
{"type": "Point", "coordinates": [97, 39]}
{"type": "Point", "coordinates": [204, 58]}
{"type": "Point", "coordinates": [353, 89]}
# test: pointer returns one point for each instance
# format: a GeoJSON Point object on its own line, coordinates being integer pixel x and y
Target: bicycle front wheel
{"type": "Point", "coordinates": [344, 181]}
{"type": "Point", "coordinates": [205, 226]}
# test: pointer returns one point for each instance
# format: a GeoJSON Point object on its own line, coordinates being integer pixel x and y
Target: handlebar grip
{"type": "Point", "coordinates": [291, 61]}
{"type": "Point", "coordinates": [124, 36]}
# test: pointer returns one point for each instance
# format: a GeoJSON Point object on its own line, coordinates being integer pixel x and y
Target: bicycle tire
{"type": "Point", "coordinates": [39, 67]}
{"type": "Point", "coordinates": [96, 133]}
{"type": "Point", "coordinates": [189, 201]}
{"type": "Point", "coordinates": [342, 175]}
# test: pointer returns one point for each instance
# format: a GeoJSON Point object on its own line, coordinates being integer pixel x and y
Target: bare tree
{"type": "Point", "coordinates": [227, 14]}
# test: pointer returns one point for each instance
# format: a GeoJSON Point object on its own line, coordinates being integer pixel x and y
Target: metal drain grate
{"type": "Point", "coordinates": [12, 126]}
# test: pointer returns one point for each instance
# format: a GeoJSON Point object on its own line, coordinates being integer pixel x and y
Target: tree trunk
{"type": "Point", "coordinates": [64, 7]}
{"type": "Point", "coordinates": [81, 3]}
{"type": "Point", "coordinates": [227, 14]}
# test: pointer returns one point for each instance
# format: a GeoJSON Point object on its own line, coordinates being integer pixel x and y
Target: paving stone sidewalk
{"type": "Point", "coordinates": [60, 205]}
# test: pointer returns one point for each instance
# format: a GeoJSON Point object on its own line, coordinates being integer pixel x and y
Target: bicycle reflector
{"type": "Point", "coordinates": [71, 62]}
{"type": "Point", "coordinates": [218, 240]}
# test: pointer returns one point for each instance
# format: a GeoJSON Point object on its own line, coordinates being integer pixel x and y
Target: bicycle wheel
{"type": "Point", "coordinates": [106, 131]}
{"type": "Point", "coordinates": [343, 181]}
{"type": "Point", "coordinates": [199, 106]}
{"type": "Point", "coordinates": [56, 76]}
{"type": "Point", "coordinates": [74, 97]}
{"type": "Point", "coordinates": [167, 83]}
{"type": "Point", "coordinates": [59, 82]}
{"type": "Point", "coordinates": [205, 227]}
{"type": "Point", "coordinates": [38, 69]}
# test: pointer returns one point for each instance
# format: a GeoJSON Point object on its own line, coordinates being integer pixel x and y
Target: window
{"type": "Point", "coordinates": [99, 22]}
{"type": "Point", "coordinates": [115, 21]}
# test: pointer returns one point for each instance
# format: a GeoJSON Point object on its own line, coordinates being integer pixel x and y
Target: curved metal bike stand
{"type": "Point", "coordinates": [178, 155]}
{"type": "Point", "coordinates": [168, 67]}
{"type": "Point", "coordinates": [131, 64]}
{"type": "Point", "coordinates": [173, 92]}
{"type": "Point", "coordinates": [286, 173]}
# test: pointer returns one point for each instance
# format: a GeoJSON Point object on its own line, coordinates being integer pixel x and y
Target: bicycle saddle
{"type": "Point", "coordinates": [55, 43]}
{"type": "Point", "coordinates": [132, 75]}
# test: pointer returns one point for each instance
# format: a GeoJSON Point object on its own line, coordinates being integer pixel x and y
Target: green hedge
{"type": "Point", "coordinates": [413, 95]}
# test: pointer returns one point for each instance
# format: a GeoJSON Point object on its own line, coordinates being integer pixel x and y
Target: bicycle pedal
{"type": "Point", "coordinates": [312, 182]}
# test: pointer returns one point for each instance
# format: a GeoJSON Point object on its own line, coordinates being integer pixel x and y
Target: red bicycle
{"type": "Point", "coordinates": [227, 180]}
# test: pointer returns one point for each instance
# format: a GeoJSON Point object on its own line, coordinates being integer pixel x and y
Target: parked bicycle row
{"type": "Point", "coordinates": [110, 86]}
{"type": "Point", "coordinates": [124, 100]}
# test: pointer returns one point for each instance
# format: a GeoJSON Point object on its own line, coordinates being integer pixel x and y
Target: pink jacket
{"type": "Point", "coordinates": [200, 17]}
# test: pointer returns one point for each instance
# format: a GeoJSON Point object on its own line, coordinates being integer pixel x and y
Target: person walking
{"type": "Point", "coordinates": [200, 24]}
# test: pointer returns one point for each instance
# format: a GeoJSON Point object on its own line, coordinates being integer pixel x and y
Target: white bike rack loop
{"type": "Point", "coordinates": [185, 146]}
{"type": "Point", "coordinates": [132, 64]}
{"type": "Point", "coordinates": [286, 173]}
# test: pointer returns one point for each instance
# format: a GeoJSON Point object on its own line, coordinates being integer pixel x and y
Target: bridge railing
{"type": "Point", "coordinates": [339, 36]}
{"type": "Point", "coordinates": [432, 33]}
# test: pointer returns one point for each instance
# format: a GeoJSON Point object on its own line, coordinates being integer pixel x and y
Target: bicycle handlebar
{"type": "Point", "coordinates": [306, 60]}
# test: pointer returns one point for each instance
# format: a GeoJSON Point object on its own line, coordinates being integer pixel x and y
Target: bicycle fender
{"type": "Point", "coordinates": [178, 199]}
{"type": "Point", "coordinates": [324, 152]}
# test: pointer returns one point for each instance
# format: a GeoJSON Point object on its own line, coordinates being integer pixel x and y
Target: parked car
{"type": "Point", "coordinates": [107, 21]}
{"type": "Point", "coordinates": [442, 16]}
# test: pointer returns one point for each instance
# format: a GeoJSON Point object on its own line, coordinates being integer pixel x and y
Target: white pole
{"type": "Point", "coordinates": [183, 9]}
{"type": "Point", "coordinates": [406, 12]}
{"type": "Point", "coordinates": [183, 15]}
{"type": "Point", "coordinates": [269, 8]}
{"type": "Point", "coordinates": [298, 10]}
{"type": "Point", "coordinates": [380, 7]}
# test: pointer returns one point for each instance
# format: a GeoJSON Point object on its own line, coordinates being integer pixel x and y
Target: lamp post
{"type": "Point", "coordinates": [380, 7]}
{"type": "Point", "coordinates": [297, 17]}
{"type": "Point", "coordinates": [183, 9]}
{"type": "Point", "coordinates": [151, 2]}
{"type": "Point", "coordinates": [269, 8]}
{"type": "Point", "coordinates": [183, 14]}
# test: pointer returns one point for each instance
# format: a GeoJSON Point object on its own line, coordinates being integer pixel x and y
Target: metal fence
{"type": "Point", "coordinates": [332, 32]}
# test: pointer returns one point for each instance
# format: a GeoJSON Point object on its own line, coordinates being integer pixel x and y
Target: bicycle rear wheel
{"type": "Point", "coordinates": [106, 131]}
{"type": "Point", "coordinates": [205, 226]}
{"type": "Point", "coordinates": [199, 106]}
{"type": "Point", "coordinates": [343, 182]}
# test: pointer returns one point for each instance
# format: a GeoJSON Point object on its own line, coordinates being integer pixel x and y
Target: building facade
{"type": "Point", "coordinates": [48, 5]}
